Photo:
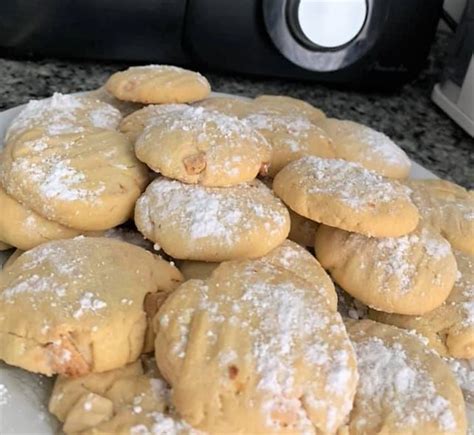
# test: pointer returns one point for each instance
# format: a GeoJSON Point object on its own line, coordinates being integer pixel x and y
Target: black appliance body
{"type": "Point", "coordinates": [361, 43]}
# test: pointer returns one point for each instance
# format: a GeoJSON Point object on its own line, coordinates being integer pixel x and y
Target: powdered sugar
{"type": "Point", "coordinates": [394, 257]}
{"type": "Point", "coordinates": [64, 114]}
{"type": "Point", "coordinates": [378, 145]}
{"type": "Point", "coordinates": [347, 182]}
{"type": "Point", "coordinates": [288, 324]}
{"type": "Point", "coordinates": [57, 178]}
{"type": "Point", "coordinates": [392, 379]}
{"type": "Point", "coordinates": [4, 395]}
{"type": "Point", "coordinates": [88, 303]}
{"type": "Point", "coordinates": [223, 214]}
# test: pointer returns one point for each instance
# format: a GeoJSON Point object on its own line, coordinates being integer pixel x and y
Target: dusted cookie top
{"type": "Point", "coordinates": [212, 224]}
{"type": "Point", "coordinates": [77, 306]}
{"type": "Point", "coordinates": [133, 399]}
{"type": "Point", "coordinates": [373, 150]}
{"type": "Point", "coordinates": [134, 124]}
{"type": "Point", "coordinates": [447, 207]}
{"type": "Point", "coordinates": [288, 256]}
{"type": "Point", "coordinates": [345, 195]}
{"type": "Point", "coordinates": [412, 274]}
{"type": "Point", "coordinates": [64, 114]}
{"type": "Point", "coordinates": [402, 388]}
{"type": "Point", "coordinates": [450, 327]}
{"type": "Point", "coordinates": [157, 84]}
{"type": "Point", "coordinates": [195, 145]}
{"type": "Point", "coordinates": [88, 182]}
{"type": "Point", "coordinates": [261, 342]}
{"type": "Point", "coordinates": [291, 137]}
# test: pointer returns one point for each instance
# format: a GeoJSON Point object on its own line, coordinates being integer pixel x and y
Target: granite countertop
{"type": "Point", "coordinates": [408, 116]}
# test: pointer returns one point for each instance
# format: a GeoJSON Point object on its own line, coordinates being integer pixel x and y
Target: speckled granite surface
{"type": "Point", "coordinates": [408, 116]}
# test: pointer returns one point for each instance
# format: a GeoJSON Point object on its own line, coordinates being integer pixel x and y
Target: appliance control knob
{"type": "Point", "coordinates": [330, 23]}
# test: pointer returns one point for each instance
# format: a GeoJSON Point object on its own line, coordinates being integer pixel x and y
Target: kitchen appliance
{"type": "Point", "coordinates": [370, 43]}
{"type": "Point", "coordinates": [455, 93]}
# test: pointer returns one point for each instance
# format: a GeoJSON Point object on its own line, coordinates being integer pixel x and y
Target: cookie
{"type": "Point", "coordinates": [289, 106]}
{"type": "Point", "coordinates": [302, 230]}
{"type": "Point", "coordinates": [124, 107]}
{"type": "Point", "coordinates": [288, 256]}
{"type": "Point", "coordinates": [346, 195]}
{"type": "Point", "coordinates": [412, 274]}
{"type": "Point", "coordinates": [134, 124]}
{"type": "Point", "coordinates": [82, 305]}
{"type": "Point", "coordinates": [130, 400]}
{"type": "Point", "coordinates": [196, 145]}
{"type": "Point", "coordinates": [25, 229]}
{"type": "Point", "coordinates": [447, 207]}
{"type": "Point", "coordinates": [193, 222]}
{"type": "Point", "coordinates": [402, 388]}
{"type": "Point", "coordinates": [450, 327]}
{"type": "Point", "coordinates": [88, 182]}
{"type": "Point", "coordinates": [63, 114]}
{"type": "Point", "coordinates": [230, 106]}
{"type": "Point", "coordinates": [4, 246]}
{"type": "Point", "coordinates": [291, 137]}
{"type": "Point", "coordinates": [265, 353]}
{"type": "Point", "coordinates": [157, 84]}
{"type": "Point", "coordinates": [372, 149]}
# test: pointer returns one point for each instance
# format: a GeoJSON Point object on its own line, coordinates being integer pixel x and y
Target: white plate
{"type": "Point", "coordinates": [23, 408]}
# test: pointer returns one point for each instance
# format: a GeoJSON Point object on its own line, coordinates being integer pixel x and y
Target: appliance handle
{"type": "Point", "coordinates": [321, 59]}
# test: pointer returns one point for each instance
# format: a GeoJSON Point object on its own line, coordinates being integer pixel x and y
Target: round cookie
{"type": "Point", "coordinates": [130, 400]}
{"type": "Point", "coordinates": [25, 229]}
{"type": "Point", "coordinates": [88, 182]}
{"type": "Point", "coordinates": [447, 207]}
{"type": "Point", "coordinates": [63, 114]}
{"type": "Point", "coordinates": [230, 106]}
{"type": "Point", "coordinates": [193, 222]}
{"type": "Point", "coordinates": [291, 137]}
{"type": "Point", "coordinates": [302, 230]}
{"type": "Point", "coordinates": [289, 106]}
{"type": "Point", "coordinates": [412, 274]}
{"type": "Point", "coordinates": [402, 388]}
{"type": "Point", "coordinates": [361, 144]}
{"type": "Point", "coordinates": [345, 195]}
{"type": "Point", "coordinates": [195, 145]}
{"type": "Point", "coordinates": [134, 124]}
{"type": "Point", "coordinates": [450, 327]}
{"type": "Point", "coordinates": [77, 306]}
{"type": "Point", "coordinates": [255, 349]}
{"type": "Point", "coordinates": [157, 84]}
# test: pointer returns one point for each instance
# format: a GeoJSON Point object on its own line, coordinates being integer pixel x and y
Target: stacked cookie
{"type": "Point", "coordinates": [65, 171]}
{"type": "Point", "coordinates": [246, 336]}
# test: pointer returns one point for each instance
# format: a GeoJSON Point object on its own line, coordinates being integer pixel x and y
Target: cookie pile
{"type": "Point", "coordinates": [256, 207]}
